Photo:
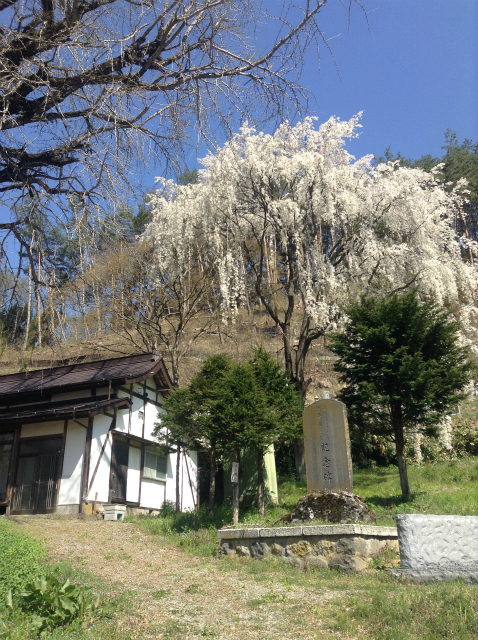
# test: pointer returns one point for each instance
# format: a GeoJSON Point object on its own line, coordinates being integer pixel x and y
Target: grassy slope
{"type": "Point", "coordinates": [22, 559]}
{"type": "Point", "coordinates": [371, 605]}
{"type": "Point", "coordinates": [442, 488]}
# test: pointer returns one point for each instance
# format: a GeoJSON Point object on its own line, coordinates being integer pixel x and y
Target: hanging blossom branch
{"type": "Point", "coordinates": [295, 218]}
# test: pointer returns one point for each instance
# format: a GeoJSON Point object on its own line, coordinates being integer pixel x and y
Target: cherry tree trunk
{"type": "Point", "coordinates": [401, 458]}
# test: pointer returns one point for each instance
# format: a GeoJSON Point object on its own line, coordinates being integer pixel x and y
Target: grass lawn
{"type": "Point", "coordinates": [371, 605]}
{"type": "Point", "coordinates": [443, 488]}
{"type": "Point", "coordinates": [172, 584]}
{"type": "Point", "coordinates": [22, 560]}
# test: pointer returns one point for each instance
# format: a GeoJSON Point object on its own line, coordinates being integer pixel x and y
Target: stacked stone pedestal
{"type": "Point", "coordinates": [350, 547]}
{"type": "Point", "coordinates": [331, 506]}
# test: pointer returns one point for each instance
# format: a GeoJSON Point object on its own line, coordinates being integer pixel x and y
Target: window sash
{"type": "Point", "coordinates": [155, 467]}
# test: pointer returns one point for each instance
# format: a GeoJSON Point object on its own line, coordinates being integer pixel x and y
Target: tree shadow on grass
{"type": "Point", "coordinates": [392, 501]}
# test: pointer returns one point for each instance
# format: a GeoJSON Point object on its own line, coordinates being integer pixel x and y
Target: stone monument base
{"type": "Point", "coordinates": [435, 575]}
{"type": "Point", "coordinates": [331, 506]}
{"type": "Point", "coordinates": [347, 546]}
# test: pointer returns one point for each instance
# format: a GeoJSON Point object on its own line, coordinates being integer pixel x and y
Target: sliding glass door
{"type": "Point", "coordinates": [37, 475]}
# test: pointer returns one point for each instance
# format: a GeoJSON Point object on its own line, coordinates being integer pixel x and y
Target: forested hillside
{"type": "Point", "coordinates": [89, 291]}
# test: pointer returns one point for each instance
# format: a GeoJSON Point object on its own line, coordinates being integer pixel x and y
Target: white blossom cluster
{"type": "Point", "coordinates": [295, 210]}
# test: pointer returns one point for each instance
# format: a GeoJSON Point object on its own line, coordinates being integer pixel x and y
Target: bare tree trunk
{"type": "Point", "coordinates": [235, 493]}
{"type": "Point", "coordinates": [122, 286]}
{"type": "Point", "coordinates": [178, 466]}
{"type": "Point", "coordinates": [261, 505]}
{"type": "Point", "coordinates": [29, 309]}
{"type": "Point", "coordinates": [98, 309]}
{"type": "Point", "coordinates": [51, 311]}
{"type": "Point", "coordinates": [221, 337]}
{"type": "Point", "coordinates": [82, 295]}
{"type": "Point", "coordinates": [212, 483]}
{"type": "Point", "coordinates": [75, 317]}
{"type": "Point", "coordinates": [39, 298]}
{"type": "Point", "coordinates": [29, 304]}
{"type": "Point", "coordinates": [400, 447]}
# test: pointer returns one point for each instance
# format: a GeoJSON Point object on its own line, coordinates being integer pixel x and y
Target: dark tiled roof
{"type": "Point", "coordinates": [62, 410]}
{"type": "Point", "coordinates": [78, 376]}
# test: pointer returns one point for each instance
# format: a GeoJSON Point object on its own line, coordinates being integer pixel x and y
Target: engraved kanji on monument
{"type": "Point", "coordinates": [328, 462]}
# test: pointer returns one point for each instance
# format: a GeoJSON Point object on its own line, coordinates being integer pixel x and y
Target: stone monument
{"type": "Point", "coordinates": [328, 462]}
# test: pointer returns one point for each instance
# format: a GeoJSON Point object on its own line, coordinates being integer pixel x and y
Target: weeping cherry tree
{"type": "Point", "coordinates": [294, 218]}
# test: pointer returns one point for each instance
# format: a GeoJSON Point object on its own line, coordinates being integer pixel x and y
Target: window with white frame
{"type": "Point", "coordinates": [155, 466]}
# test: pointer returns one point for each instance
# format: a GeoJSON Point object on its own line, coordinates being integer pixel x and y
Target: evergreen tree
{"type": "Point", "coordinates": [402, 368]}
{"type": "Point", "coordinates": [232, 406]}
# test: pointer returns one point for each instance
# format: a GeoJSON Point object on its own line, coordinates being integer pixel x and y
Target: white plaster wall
{"type": "Point", "coordinates": [70, 484]}
{"type": "Point", "coordinates": [136, 422]}
{"type": "Point", "coordinates": [101, 425]}
{"type": "Point", "coordinates": [151, 412]}
{"type": "Point", "coordinates": [152, 416]}
{"type": "Point", "coordinates": [122, 420]}
{"type": "Point", "coordinates": [71, 395]}
{"type": "Point", "coordinates": [152, 494]}
{"type": "Point", "coordinates": [134, 472]}
{"type": "Point", "coordinates": [171, 478]}
{"type": "Point", "coordinates": [187, 489]}
{"type": "Point", "coordinates": [42, 429]}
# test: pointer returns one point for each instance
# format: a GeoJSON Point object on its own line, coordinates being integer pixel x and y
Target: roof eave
{"type": "Point", "coordinates": [116, 403]}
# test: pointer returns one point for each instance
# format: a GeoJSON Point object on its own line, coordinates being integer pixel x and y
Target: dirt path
{"type": "Point", "coordinates": [180, 596]}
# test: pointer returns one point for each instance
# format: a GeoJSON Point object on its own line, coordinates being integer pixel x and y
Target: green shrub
{"type": "Point", "coordinates": [21, 559]}
{"type": "Point", "coordinates": [433, 451]}
{"type": "Point", "coordinates": [371, 450]}
{"type": "Point", "coordinates": [465, 438]}
{"type": "Point", "coordinates": [51, 604]}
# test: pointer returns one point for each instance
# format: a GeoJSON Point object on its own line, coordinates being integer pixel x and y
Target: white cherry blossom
{"type": "Point", "coordinates": [301, 222]}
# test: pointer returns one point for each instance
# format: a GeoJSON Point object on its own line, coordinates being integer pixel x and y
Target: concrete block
{"type": "Point", "coordinates": [331, 530]}
{"type": "Point", "coordinates": [445, 543]}
{"type": "Point", "coordinates": [230, 534]}
{"type": "Point", "coordinates": [114, 511]}
{"type": "Point", "coordinates": [435, 575]}
{"type": "Point", "coordinates": [283, 532]}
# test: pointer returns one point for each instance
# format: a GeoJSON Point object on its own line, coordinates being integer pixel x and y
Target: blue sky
{"type": "Point", "coordinates": [412, 70]}
{"type": "Point", "coordinates": [414, 73]}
